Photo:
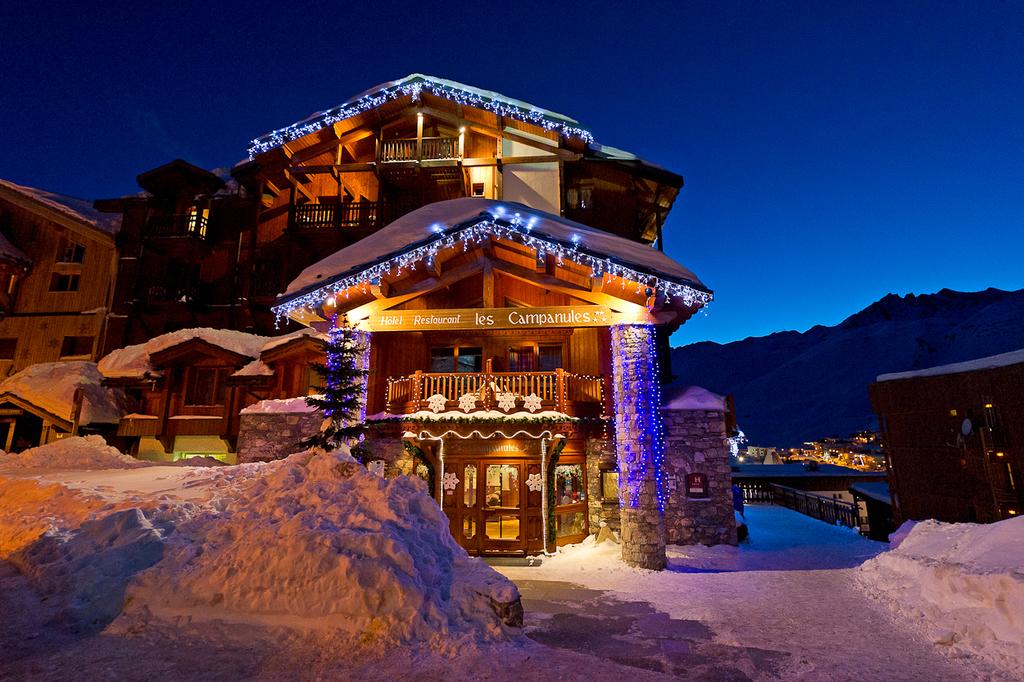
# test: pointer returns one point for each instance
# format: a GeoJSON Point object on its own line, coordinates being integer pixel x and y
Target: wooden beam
{"type": "Point", "coordinates": [381, 289]}
{"type": "Point", "coordinates": [488, 288]}
{"type": "Point", "coordinates": [423, 286]}
{"type": "Point", "coordinates": [325, 145]}
{"type": "Point", "coordinates": [297, 184]}
{"type": "Point", "coordinates": [560, 285]}
{"type": "Point", "coordinates": [331, 169]}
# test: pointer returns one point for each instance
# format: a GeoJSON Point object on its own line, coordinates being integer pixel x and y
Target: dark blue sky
{"type": "Point", "coordinates": [833, 152]}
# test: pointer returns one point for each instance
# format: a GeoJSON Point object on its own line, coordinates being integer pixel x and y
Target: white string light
{"type": "Point", "coordinates": [499, 107]}
{"type": "Point", "coordinates": [475, 232]}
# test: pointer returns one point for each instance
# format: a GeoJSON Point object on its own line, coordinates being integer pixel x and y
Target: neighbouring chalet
{"type": "Point", "coordinates": [188, 387]}
{"type": "Point", "coordinates": [58, 260]}
{"type": "Point", "coordinates": [954, 439]}
{"type": "Point", "coordinates": [50, 400]}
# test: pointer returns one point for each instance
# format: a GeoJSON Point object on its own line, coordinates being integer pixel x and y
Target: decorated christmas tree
{"type": "Point", "coordinates": [342, 390]}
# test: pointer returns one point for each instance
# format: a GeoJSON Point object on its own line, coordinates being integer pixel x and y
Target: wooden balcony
{"type": "Point", "coordinates": [573, 394]}
{"type": "Point", "coordinates": [358, 217]}
{"type": "Point", "coordinates": [429, 149]}
{"type": "Point", "coordinates": [183, 225]}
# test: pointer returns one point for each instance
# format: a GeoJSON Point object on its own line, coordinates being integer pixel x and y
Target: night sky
{"type": "Point", "coordinates": [832, 152]}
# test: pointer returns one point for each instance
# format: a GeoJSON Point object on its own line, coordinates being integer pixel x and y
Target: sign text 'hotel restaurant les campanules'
{"type": "Point", "coordinates": [497, 318]}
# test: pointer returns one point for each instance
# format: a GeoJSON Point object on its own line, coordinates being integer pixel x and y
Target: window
{"type": "Point", "coordinates": [550, 358]}
{"type": "Point", "coordinates": [205, 386]}
{"type": "Point", "coordinates": [61, 281]}
{"type": "Point", "coordinates": [70, 252]}
{"type": "Point", "coordinates": [478, 189]}
{"type": "Point", "coordinates": [579, 197]}
{"type": "Point", "coordinates": [7, 348]}
{"type": "Point", "coordinates": [460, 359]}
{"type": "Point", "coordinates": [569, 484]}
{"type": "Point", "coordinates": [197, 219]}
{"type": "Point", "coordinates": [610, 485]}
{"type": "Point", "coordinates": [74, 346]}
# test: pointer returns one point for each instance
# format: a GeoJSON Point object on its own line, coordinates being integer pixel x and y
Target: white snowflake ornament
{"type": "Point", "coordinates": [467, 403]}
{"type": "Point", "coordinates": [506, 401]}
{"type": "Point", "coordinates": [449, 482]}
{"type": "Point", "coordinates": [436, 402]}
{"type": "Point", "coordinates": [534, 482]}
{"type": "Point", "coordinates": [532, 402]}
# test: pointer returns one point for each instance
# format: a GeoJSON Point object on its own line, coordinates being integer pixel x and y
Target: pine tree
{"type": "Point", "coordinates": [342, 389]}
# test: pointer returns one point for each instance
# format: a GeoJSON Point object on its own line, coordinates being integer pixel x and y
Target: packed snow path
{"type": "Point", "coordinates": [783, 606]}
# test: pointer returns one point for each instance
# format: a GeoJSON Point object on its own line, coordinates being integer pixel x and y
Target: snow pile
{"type": "Point", "coordinates": [694, 398]}
{"type": "Point", "coordinates": [314, 543]}
{"type": "Point", "coordinates": [318, 542]}
{"type": "Point", "coordinates": [962, 583]}
{"type": "Point", "coordinates": [134, 361]}
{"type": "Point", "coordinates": [51, 386]}
{"type": "Point", "coordinates": [88, 452]}
{"type": "Point", "coordinates": [282, 406]}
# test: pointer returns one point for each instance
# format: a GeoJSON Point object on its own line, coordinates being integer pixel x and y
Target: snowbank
{"type": "Point", "coordinates": [314, 542]}
{"type": "Point", "coordinates": [51, 386]}
{"type": "Point", "coordinates": [962, 583]}
{"type": "Point", "coordinates": [88, 452]}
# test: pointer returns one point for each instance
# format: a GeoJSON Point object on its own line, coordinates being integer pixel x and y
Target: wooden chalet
{"type": "Point", "coordinates": [188, 387]}
{"type": "Point", "coordinates": [492, 353]}
{"type": "Point", "coordinates": [340, 175]}
{"type": "Point", "coordinates": [57, 262]}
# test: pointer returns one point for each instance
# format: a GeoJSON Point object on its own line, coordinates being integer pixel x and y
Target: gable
{"type": "Point", "coordinates": [197, 349]}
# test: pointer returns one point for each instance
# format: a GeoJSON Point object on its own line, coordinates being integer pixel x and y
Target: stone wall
{"type": "Point", "coordinates": [265, 436]}
{"type": "Point", "coordinates": [600, 457]}
{"type": "Point", "coordinates": [696, 442]}
{"type": "Point", "coordinates": [635, 381]}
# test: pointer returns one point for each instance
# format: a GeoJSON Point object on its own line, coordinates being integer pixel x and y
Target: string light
{"type": "Point", "coordinates": [638, 381]}
{"type": "Point", "coordinates": [477, 231]}
{"type": "Point", "coordinates": [412, 88]}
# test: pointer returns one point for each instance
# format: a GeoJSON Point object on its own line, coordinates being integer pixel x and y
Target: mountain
{"type": "Point", "coordinates": [792, 387]}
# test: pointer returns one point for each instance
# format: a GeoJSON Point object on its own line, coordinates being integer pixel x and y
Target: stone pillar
{"type": "Point", "coordinates": [638, 445]}
{"type": "Point", "coordinates": [266, 436]}
{"type": "Point", "coordinates": [696, 443]}
{"type": "Point", "coordinates": [601, 457]}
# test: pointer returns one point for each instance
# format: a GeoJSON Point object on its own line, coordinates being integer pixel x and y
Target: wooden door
{"type": "Point", "coordinates": [502, 514]}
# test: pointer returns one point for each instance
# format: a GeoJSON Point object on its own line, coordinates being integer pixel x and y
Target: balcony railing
{"type": "Point", "coordinates": [431, 149]}
{"type": "Point", "coordinates": [354, 215]}
{"type": "Point", "coordinates": [574, 394]}
{"type": "Point", "coordinates": [181, 225]}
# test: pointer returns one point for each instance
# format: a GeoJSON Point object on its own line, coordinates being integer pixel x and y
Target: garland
{"type": "Point", "coordinates": [470, 419]}
{"type": "Point", "coordinates": [556, 452]}
{"type": "Point", "coordinates": [418, 454]}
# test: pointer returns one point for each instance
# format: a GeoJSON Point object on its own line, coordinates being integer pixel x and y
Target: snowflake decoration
{"type": "Point", "coordinates": [506, 401]}
{"type": "Point", "coordinates": [449, 482]}
{"type": "Point", "coordinates": [532, 402]}
{"type": "Point", "coordinates": [467, 403]}
{"type": "Point", "coordinates": [436, 402]}
{"type": "Point", "coordinates": [534, 482]}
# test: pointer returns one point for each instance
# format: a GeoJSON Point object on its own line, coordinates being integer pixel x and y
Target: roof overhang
{"type": "Point", "coordinates": [545, 233]}
{"type": "Point", "coordinates": [412, 86]}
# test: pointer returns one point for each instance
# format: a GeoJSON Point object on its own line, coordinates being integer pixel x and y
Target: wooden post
{"type": "Point", "coordinates": [76, 410]}
{"type": "Point", "coordinates": [462, 143]}
{"type": "Point", "coordinates": [559, 389]}
{"type": "Point", "coordinates": [417, 388]}
{"type": "Point", "coordinates": [419, 137]}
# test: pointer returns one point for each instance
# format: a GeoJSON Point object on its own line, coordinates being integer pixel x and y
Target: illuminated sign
{"type": "Point", "coordinates": [498, 318]}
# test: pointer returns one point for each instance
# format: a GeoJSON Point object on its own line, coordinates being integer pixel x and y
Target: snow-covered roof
{"type": "Point", "coordinates": [278, 341]}
{"type": "Point", "coordinates": [1015, 357]}
{"type": "Point", "coordinates": [693, 398]}
{"type": "Point", "coordinates": [799, 470]}
{"type": "Point", "coordinates": [412, 85]}
{"type": "Point", "coordinates": [51, 387]}
{"type": "Point", "coordinates": [79, 209]}
{"type": "Point", "coordinates": [9, 251]}
{"type": "Point", "coordinates": [440, 219]}
{"type": "Point", "coordinates": [134, 361]}
{"type": "Point", "coordinates": [876, 490]}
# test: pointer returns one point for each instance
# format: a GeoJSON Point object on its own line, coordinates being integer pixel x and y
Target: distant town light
{"type": "Point", "coordinates": [988, 406]}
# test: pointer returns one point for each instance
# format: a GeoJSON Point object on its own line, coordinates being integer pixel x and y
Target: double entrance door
{"type": "Point", "coordinates": [493, 504]}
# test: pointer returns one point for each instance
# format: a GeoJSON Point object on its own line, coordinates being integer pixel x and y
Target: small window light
{"type": "Point", "coordinates": [1011, 512]}
{"type": "Point", "coordinates": [952, 413]}
{"type": "Point", "coordinates": [988, 406]}
{"type": "Point", "coordinates": [999, 454]}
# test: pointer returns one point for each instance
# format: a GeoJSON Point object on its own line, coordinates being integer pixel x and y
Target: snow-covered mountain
{"type": "Point", "coordinates": [790, 387]}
